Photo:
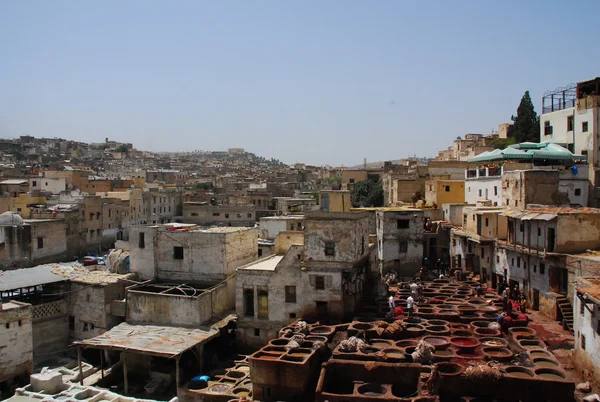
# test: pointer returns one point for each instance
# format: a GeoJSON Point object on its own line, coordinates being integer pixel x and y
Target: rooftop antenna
{"type": "Point", "coordinates": [365, 164]}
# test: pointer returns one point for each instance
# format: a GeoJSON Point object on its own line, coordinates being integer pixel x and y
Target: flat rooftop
{"type": "Point", "coordinates": [266, 264]}
{"type": "Point", "coordinates": [283, 217]}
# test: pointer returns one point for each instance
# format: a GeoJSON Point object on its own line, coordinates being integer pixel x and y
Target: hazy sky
{"type": "Point", "coordinates": [320, 82]}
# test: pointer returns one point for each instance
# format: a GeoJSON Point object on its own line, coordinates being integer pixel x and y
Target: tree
{"type": "Point", "coordinates": [367, 194]}
{"type": "Point", "coordinates": [122, 148]}
{"type": "Point", "coordinates": [526, 124]}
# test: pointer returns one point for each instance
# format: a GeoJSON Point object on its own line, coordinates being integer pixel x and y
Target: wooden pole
{"type": "Point", "coordinates": [102, 363]}
{"type": "Point", "coordinates": [125, 373]}
{"type": "Point", "coordinates": [177, 371]}
{"type": "Point", "coordinates": [80, 365]}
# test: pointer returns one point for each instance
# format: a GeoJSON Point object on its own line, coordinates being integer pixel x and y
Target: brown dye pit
{"type": "Point", "coordinates": [550, 374]}
{"type": "Point", "coordinates": [241, 391]}
{"type": "Point", "coordinates": [494, 342]}
{"type": "Point", "coordinates": [518, 372]}
{"type": "Point", "coordinates": [444, 353]}
{"type": "Point", "coordinates": [487, 332]}
{"type": "Point", "coordinates": [406, 343]}
{"type": "Point", "coordinates": [437, 322]}
{"type": "Point", "coordinates": [449, 369]}
{"type": "Point", "coordinates": [437, 342]}
{"type": "Point", "coordinates": [371, 390]}
{"type": "Point", "coordinates": [539, 353]}
{"type": "Point", "coordinates": [543, 362]}
{"type": "Point", "coordinates": [480, 324]}
{"type": "Point", "coordinates": [394, 353]}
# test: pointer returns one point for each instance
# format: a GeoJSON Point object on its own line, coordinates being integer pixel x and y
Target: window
{"type": "Point", "coordinates": [570, 122]}
{"type": "Point", "coordinates": [71, 323]}
{"type": "Point", "coordinates": [497, 258]}
{"type": "Point", "coordinates": [154, 211]}
{"type": "Point", "coordinates": [216, 214]}
{"type": "Point", "coordinates": [512, 261]}
{"type": "Point", "coordinates": [447, 188]}
{"type": "Point", "coordinates": [402, 246]}
{"type": "Point", "coordinates": [480, 192]}
{"type": "Point", "coordinates": [351, 180]}
{"type": "Point", "coordinates": [292, 315]}
{"type": "Point", "coordinates": [482, 252]}
{"type": "Point", "coordinates": [239, 215]}
{"type": "Point", "coordinates": [329, 248]}
{"type": "Point", "coordinates": [362, 246]}
{"type": "Point", "coordinates": [260, 252]}
{"type": "Point", "coordinates": [40, 242]}
{"type": "Point", "coordinates": [402, 224]}
{"type": "Point", "coordinates": [581, 307]}
{"type": "Point", "coordinates": [85, 327]}
{"type": "Point", "coordinates": [142, 240]}
{"type": "Point", "coordinates": [470, 248]}
{"type": "Point", "coordinates": [542, 268]}
{"type": "Point", "coordinates": [290, 294]}
{"type": "Point", "coordinates": [20, 323]}
{"type": "Point", "coordinates": [495, 190]}
{"type": "Point", "coordinates": [464, 220]}
{"type": "Point", "coordinates": [583, 341]}
{"type": "Point", "coordinates": [263, 304]}
{"type": "Point", "coordinates": [584, 128]}
{"type": "Point", "coordinates": [547, 128]}
{"type": "Point", "coordinates": [7, 325]}
{"type": "Point", "coordinates": [195, 214]}
{"type": "Point", "coordinates": [320, 283]}
{"type": "Point", "coordinates": [226, 216]}
{"type": "Point", "coordinates": [249, 303]}
{"type": "Point", "coordinates": [256, 331]}
{"type": "Point", "coordinates": [321, 308]}
{"type": "Point", "coordinates": [577, 191]}
{"type": "Point", "coordinates": [487, 222]}
{"type": "Point", "coordinates": [539, 231]}
{"type": "Point", "coordinates": [91, 215]}
{"type": "Point", "coordinates": [177, 253]}
{"type": "Point", "coordinates": [534, 268]}
{"type": "Point", "coordinates": [524, 265]}
{"type": "Point", "coordinates": [518, 262]}
{"type": "Point", "coordinates": [249, 215]}
{"type": "Point", "coordinates": [473, 217]}
{"type": "Point", "coordinates": [521, 226]}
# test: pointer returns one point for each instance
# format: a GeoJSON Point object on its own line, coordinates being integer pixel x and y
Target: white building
{"type": "Point", "coordinates": [16, 340]}
{"type": "Point", "coordinates": [271, 226]}
{"type": "Point", "coordinates": [48, 184]}
{"type": "Point", "coordinates": [571, 116]}
{"type": "Point", "coordinates": [586, 314]}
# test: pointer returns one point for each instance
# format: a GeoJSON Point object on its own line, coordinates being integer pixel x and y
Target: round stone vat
{"type": "Point", "coordinates": [322, 330]}
{"type": "Point", "coordinates": [382, 343]}
{"type": "Point", "coordinates": [437, 322]}
{"type": "Point", "coordinates": [518, 372]}
{"type": "Point", "coordinates": [468, 355]}
{"type": "Point", "coordinates": [521, 331]}
{"type": "Point", "coordinates": [550, 374]}
{"type": "Point", "coordinates": [532, 344]}
{"type": "Point", "coordinates": [439, 342]}
{"type": "Point", "coordinates": [437, 330]}
{"type": "Point", "coordinates": [496, 342]}
{"type": "Point", "coordinates": [241, 391]}
{"type": "Point", "coordinates": [487, 332]}
{"type": "Point", "coordinates": [464, 343]}
{"type": "Point", "coordinates": [443, 355]}
{"type": "Point", "coordinates": [478, 302]}
{"type": "Point", "coordinates": [540, 353]}
{"type": "Point", "coordinates": [462, 332]}
{"type": "Point", "coordinates": [404, 390]}
{"type": "Point", "coordinates": [279, 342]}
{"type": "Point", "coordinates": [448, 369]}
{"type": "Point", "coordinates": [544, 362]}
{"type": "Point", "coordinates": [361, 326]}
{"type": "Point", "coordinates": [372, 389]}
{"type": "Point", "coordinates": [480, 324]}
{"type": "Point", "coordinates": [235, 374]}
{"type": "Point", "coordinates": [219, 388]}
{"type": "Point", "coordinates": [407, 343]}
{"type": "Point", "coordinates": [496, 353]}
{"type": "Point", "coordinates": [395, 354]}
{"type": "Point", "coordinates": [314, 338]}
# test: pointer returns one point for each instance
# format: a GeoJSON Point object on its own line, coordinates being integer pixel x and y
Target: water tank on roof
{"type": "Point", "coordinates": [10, 219]}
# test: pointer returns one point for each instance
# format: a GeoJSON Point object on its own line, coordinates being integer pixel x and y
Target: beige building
{"type": "Point", "coordinates": [320, 277]}
{"type": "Point", "coordinates": [16, 338]}
{"type": "Point", "coordinates": [219, 215]}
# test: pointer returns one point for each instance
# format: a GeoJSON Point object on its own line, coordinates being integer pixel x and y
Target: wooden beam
{"type": "Point", "coordinates": [124, 357]}
{"type": "Point", "coordinates": [177, 372]}
{"type": "Point", "coordinates": [80, 365]}
{"type": "Point", "coordinates": [102, 363]}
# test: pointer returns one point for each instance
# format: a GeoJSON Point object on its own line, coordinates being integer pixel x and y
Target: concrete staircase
{"type": "Point", "coordinates": [566, 310]}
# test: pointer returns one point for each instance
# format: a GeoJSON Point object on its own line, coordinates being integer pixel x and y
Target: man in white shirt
{"type": "Point", "coordinates": [409, 306]}
{"type": "Point", "coordinates": [414, 289]}
{"type": "Point", "coordinates": [392, 303]}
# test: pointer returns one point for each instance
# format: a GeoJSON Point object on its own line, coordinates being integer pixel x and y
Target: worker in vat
{"type": "Point", "coordinates": [414, 289]}
{"type": "Point", "coordinates": [392, 304]}
{"type": "Point", "coordinates": [505, 299]}
{"type": "Point", "coordinates": [523, 303]}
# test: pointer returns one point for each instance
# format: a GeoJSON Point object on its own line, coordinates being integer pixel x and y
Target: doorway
{"type": "Point", "coordinates": [536, 300]}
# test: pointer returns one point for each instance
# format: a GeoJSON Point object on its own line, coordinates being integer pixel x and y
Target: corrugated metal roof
{"type": "Point", "coordinates": [546, 217]}
{"type": "Point", "coordinates": [150, 339]}
{"type": "Point", "coordinates": [27, 277]}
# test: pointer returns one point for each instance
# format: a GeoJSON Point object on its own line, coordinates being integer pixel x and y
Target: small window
{"type": "Point", "coordinates": [256, 331]}
{"type": "Point", "coordinates": [482, 252]}
{"type": "Point", "coordinates": [480, 192]}
{"type": "Point", "coordinates": [260, 252]}
{"type": "Point", "coordinates": [403, 247]}
{"type": "Point", "coordinates": [487, 222]}
{"type": "Point", "coordinates": [194, 214]}
{"type": "Point", "coordinates": [577, 191]}
{"type": "Point", "coordinates": [249, 303]}
{"type": "Point", "coordinates": [249, 215]}
{"type": "Point", "coordinates": [547, 128]}
{"type": "Point", "coordinates": [581, 307]}
{"type": "Point", "coordinates": [320, 283]}
{"type": "Point", "coordinates": [226, 216]}
{"type": "Point", "coordinates": [239, 215]}
{"type": "Point", "coordinates": [292, 315]}
{"type": "Point", "coordinates": [521, 227]}
{"type": "Point", "coordinates": [71, 323]}
{"type": "Point", "coordinates": [351, 181]}
{"type": "Point", "coordinates": [542, 268]}
{"type": "Point", "coordinates": [512, 261]}
{"type": "Point", "coordinates": [497, 258]}
{"type": "Point", "coordinates": [329, 248]}
{"type": "Point", "coordinates": [142, 240]}
{"type": "Point", "coordinates": [178, 253]}
{"type": "Point", "coordinates": [20, 323]}
{"type": "Point", "coordinates": [584, 127]}
{"type": "Point", "coordinates": [34, 183]}
{"type": "Point", "coordinates": [583, 341]}
{"type": "Point", "coordinates": [524, 265]}
{"type": "Point", "coordinates": [534, 268]}
{"type": "Point", "coordinates": [518, 262]}
{"type": "Point", "coordinates": [40, 242]}
{"type": "Point", "coordinates": [539, 231]}
{"type": "Point", "coordinates": [216, 214]}
{"type": "Point", "coordinates": [7, 325]}
{"type": "Point", "coordinates": [402, 224]}
{"type": "Point", "coordinates": [85, 327]}
{"type": "Point", "coordinates": [290, 294]}
{"type": "Point", "coordinates": [495, 190]}
{"type": "Point", "coordinates": [447, 188]}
